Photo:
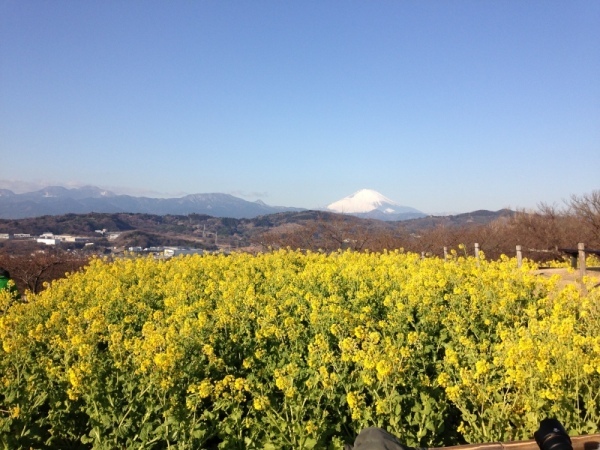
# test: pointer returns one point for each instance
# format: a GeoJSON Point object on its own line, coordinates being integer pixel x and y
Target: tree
{"type": "Point", "coordinates": [587, 208]}
{"type": "Point", "coordinates": [31, 270]}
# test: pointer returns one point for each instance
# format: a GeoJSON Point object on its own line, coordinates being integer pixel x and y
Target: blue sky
{"type": "Point", "coordinates": [439, 105]}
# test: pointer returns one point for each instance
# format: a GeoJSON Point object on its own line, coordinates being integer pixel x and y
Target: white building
{"type": "Point", "coordinates": [176, 251]}
{"type": "Point", "coordinates": [54, 239]}
{"type": "Point", "coordinates": [48, 239]}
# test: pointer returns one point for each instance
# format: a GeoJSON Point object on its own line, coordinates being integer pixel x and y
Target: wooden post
{"type": "Point", "coordinates": [519, 256]}
{"type": "Point", "coordinates": [581, 252]}
{"type": "Point", "coordinates": [445, 253]}
{"type": "Point", "coordinates": [477, 253]}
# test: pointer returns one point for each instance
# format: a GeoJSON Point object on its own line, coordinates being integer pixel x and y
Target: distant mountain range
{"type": "Point", "coordinates": [370, 204]}
{"type": "Point", "coordinates": [56, 200]}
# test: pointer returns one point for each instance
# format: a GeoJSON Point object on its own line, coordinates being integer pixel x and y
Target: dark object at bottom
{"type": "Point", "coordinates": [376, 439]}
{"type": "Point", "coordinates": [552, 436]}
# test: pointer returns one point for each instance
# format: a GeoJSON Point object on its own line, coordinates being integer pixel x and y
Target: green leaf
{"type": "Point", "coordinates": [310, 443]}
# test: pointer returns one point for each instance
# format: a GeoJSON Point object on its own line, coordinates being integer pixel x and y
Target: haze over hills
{"type": "Point", "coordinates": [56, 200]}
{"type": "Point", "coordinates": [197, 220]}
{"type": "Point", "coordinates": [370, 204]}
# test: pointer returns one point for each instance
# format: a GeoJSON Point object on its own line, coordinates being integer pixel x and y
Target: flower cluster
{"type": "Point", "coordinates": [297, 350]}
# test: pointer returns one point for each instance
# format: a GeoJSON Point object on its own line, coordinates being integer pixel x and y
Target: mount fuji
{"type": "Point", "coordinates": [370, 204]}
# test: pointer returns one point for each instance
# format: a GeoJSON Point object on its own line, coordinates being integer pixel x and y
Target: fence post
{"type": "Point", "coordinates": [519, 256]}
{"type": "Point", "coordinates": [477, 253]}
{"type": "Point", "coordinates": [445, 253]}
{"type": "Point", "coordinates": [581, 252]}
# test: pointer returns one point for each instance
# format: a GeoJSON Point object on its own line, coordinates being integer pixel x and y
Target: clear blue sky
{"type": "Point", "coordinates": [439, 105]}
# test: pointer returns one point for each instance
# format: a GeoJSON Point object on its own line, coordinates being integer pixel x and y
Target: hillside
{"type": "Point", "coordinates": [300, 229]}
{"type": "Point", "coordinates": [479, 217]}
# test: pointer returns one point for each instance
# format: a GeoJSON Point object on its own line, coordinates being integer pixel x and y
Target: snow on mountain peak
{"type": "Point", "coordinates": [362, 201]}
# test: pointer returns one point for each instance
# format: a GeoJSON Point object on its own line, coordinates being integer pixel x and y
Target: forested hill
{"type": "Point", "coordinates": [78, 224]}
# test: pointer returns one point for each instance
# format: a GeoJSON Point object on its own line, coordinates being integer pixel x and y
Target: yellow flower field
{"type": "Point", "coordinates": [291, 350]}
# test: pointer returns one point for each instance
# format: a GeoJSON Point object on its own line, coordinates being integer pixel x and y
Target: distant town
{"type": "Point", "coordinates": [52, 239]}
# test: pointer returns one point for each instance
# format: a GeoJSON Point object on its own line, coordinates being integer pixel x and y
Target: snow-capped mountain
{"type": "Point", "coordinates": [57, 200]}
{"type": "Point", "coordinates": [373, 205]}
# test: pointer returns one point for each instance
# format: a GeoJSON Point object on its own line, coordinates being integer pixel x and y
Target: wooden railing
{"type": "Point", "coordinates": [586, 442]}
{"type": "Point", "coordinates": [577, 255]}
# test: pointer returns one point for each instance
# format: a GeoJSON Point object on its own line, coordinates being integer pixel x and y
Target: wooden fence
{"type": "Point", "coordinates": [586, 442]}
{"type": "Point", "coordinates": [577, 255]}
